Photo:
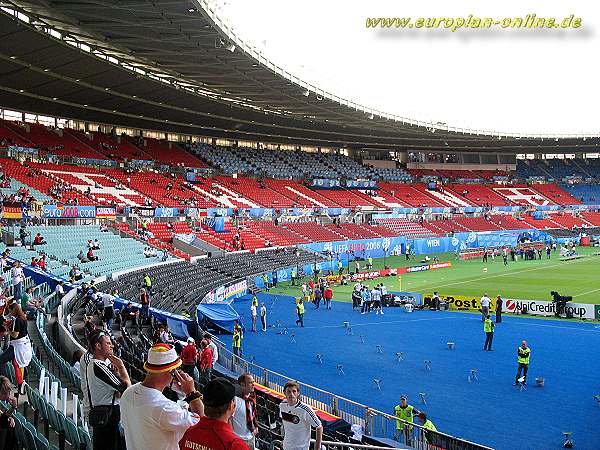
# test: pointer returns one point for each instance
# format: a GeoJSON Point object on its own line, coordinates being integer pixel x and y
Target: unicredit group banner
{"type": "Point", "coordinates": [512, 306]}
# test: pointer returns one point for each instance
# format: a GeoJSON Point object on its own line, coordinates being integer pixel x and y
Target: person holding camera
{"type": "Point", "coordinates": [151, 420]}
{"type": "Point", "coordinates": [103, 380]}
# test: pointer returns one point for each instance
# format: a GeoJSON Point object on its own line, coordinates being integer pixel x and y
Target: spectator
{"type": "Point", "coordinates": [214, 431]}
{"type": "Point", "coordinates": [23, 233]}
{"type": "Point", "coordinates": [75, 273]}
{"type": "Point", "coordinates": [213, 348]}
{"type": "Point", "coordinates": [96, 245]}
{"type": "Point", "coordinates": [297, 420]}
{"type": "Point", "coordinates": [19, 351]}
{"type": "Point", "coordinates": [189, 357]}
{"type": "Point", "coordinates": [145, 309]}
{"type": "Point", "coordinates": [103, 379]}
{"type": "Point", "coordinates": [108, 302]}
{"type": "Point", "coordinates": [4, 263]}
{"type": "Point", "coordinates": [59, 290]}
{"type": "Point", "coordinates": [129, 313]}
{"type": "Point", "coordinates": [90, 255]}
{"type": "Point", "coordinates": [18, 277]}
{"type": "Point", "coordinates": [150, 420]}
{"type": "Point", "coordinates": [29, 305]}
{"type": "Point", "coordinates": [39, 240]}
{"type": "Point", "coordinates": [76, 362]}
{"type": "Point", "coordinates": [81, 257]}
{"type": "Point", "coordinates": [206, 361]}
{"type": "Point", "coordinates": [41, 263]}
{"type": "Point", "coordinates": [8, 438]}
{"type": "Point", "coordinates": [244, 419]}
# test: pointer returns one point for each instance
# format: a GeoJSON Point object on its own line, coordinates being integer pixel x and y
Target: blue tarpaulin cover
{"type": "Point", "coordinates": [217, 315]}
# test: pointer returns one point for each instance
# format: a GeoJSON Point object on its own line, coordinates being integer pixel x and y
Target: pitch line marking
{"type": "Point", "coordinates": [586, 293]}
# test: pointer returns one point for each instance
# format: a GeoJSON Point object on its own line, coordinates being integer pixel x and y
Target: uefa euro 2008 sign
{"type": "Point", "coordinates": [68, 212]}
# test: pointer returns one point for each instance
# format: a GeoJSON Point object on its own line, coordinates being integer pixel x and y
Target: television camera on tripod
{"type": "Point", "coordinates": [561, 302]}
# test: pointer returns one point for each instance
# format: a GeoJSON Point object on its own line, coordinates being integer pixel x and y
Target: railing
{"type": "Point", "coordinates": [373, 422]}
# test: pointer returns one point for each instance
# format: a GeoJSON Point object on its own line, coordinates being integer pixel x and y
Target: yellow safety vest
{"type": "Point", "coordinates": [488, 327]}
{"type": "Point", "coordinates": [523, 355]}
{"type": "Point", "coordinates": [405, 414]}
{"type": "Point", "coordinates": [300, 308]}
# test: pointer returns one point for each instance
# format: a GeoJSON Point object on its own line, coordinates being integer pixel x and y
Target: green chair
{"type": "Point", "coordinates": [85, 438]}
{"type": "Point", "coordinates": [72, 435]}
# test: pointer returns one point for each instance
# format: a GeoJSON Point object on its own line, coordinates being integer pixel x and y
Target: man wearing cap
{"type": "Point", "coordinates": [244, 419]}
{"type": "Point", "coordinates": [103, 379]}
{"type": "Point", "coordinates": [150, 420]}
{"type": "Point", "coordinates": [214, 431]}
{"type": "Point", "coordinates": [406, 413]}
{"type": "Point", "coordinates": [297, 419]}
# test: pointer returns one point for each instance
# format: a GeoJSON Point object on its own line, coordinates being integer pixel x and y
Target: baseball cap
{"type": "Point", "coordinates": [218, 392]}
{"type": "Point", "coordinates": [403, 397]}
{"type": "Point", "coordinates": [191, 340]}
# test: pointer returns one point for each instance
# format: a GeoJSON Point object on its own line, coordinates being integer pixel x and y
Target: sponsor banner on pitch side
{"type": "Point", "coordinates": [545, 308]}
{"type": "Point", "coordinates": [513, 306]}
{"type": "Point", "coordinates": [370, 275]}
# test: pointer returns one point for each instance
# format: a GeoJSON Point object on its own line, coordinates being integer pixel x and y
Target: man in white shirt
{"type": "Point", "coordinates": [150, 420]}
{"type": "Point", "coordinates": [297, 419]}
{"type": "Point", "coordinates": [103, 379]}
{"type": "Point", "coordinates": [253, 315]}
{"type": "Point", "coordinates": [59, 289]}
{"type": "Point", "coordinates": [213, 347]}
{"type": "Point", "coordinates": [244, 420]}
{"type": "Point", "coordinates": [17, 276]}
{"type": "Point", "coordinates": [485, 307]}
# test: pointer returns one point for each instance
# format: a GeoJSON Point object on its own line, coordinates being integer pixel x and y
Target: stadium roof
{"type": "Point", "coordinates": [172, 66]}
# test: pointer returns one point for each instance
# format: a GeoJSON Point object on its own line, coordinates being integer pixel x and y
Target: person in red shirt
{"type": "Point", "coordinates": [206, 362]}
{"type": "Point", "coordinates": [38, 240]}
{"type": "Point", "coordinates": [34, 262]}
{"type": "Point", "coordinates": [42, 263]}
{"type": "Point", "coordinates": [327, 296]}
{"type": "Point", "coordinates": [90, 255]}
{"type": "Point", "coordinates": [214, 431]}
{"type": "Point", "coordinates": [189, 357]}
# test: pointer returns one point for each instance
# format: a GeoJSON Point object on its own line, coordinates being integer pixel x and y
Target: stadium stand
{"type": "Point", "coordinates": [406, 227]}
{"type": "Point", "coordinates": [584, 193]}
{"type": "Point", "coordinates": [180, 286]}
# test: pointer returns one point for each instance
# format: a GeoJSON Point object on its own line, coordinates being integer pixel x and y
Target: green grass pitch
{"type": "Point", "coordinates": [523, 280]}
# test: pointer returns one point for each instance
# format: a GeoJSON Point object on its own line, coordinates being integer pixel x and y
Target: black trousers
{"type": "Point", "coordinates": [489, 337]}
{"type": "Point", "coordinates": [498, 316]}
{"type": "Point", "coordinates": [522, 368]}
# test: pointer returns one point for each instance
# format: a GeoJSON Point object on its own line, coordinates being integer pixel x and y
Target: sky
{"type": "Point", "coordinates": [513, 81]}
